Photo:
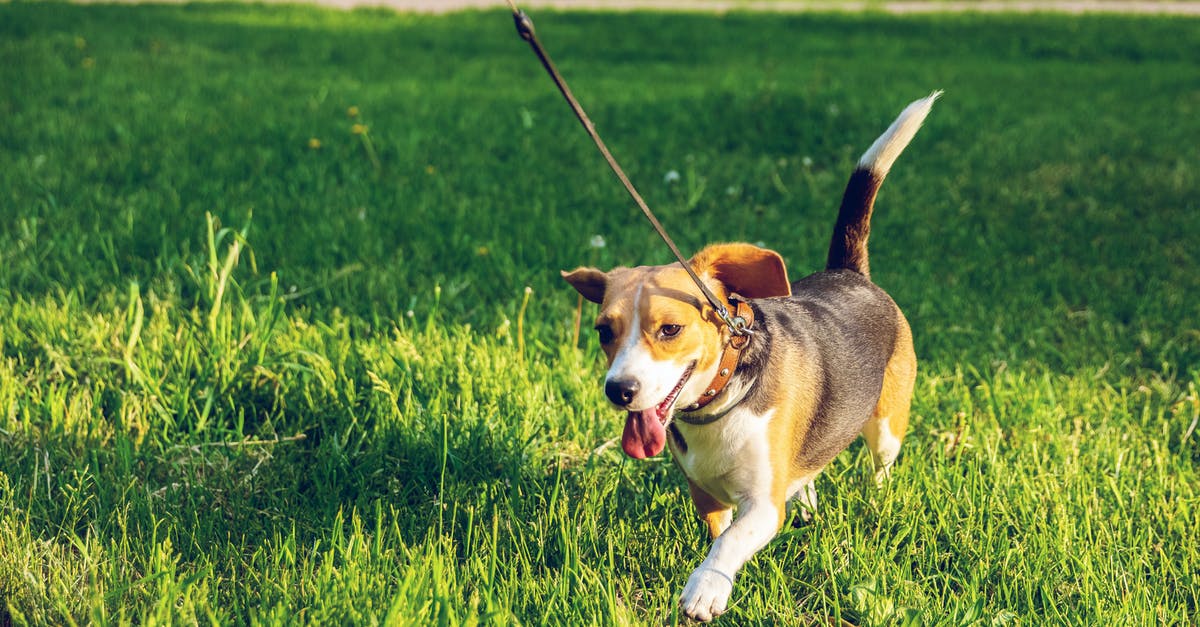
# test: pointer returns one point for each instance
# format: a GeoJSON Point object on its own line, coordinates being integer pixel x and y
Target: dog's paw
{"type": "Point", "coordinates": [706, 594]}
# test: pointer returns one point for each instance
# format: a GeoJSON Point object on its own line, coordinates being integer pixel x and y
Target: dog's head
{"type": "Point", "coordinates": [662, 338]}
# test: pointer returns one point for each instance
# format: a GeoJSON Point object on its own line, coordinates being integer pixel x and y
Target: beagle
{"type": "Point", "coordinates": [753, 419]}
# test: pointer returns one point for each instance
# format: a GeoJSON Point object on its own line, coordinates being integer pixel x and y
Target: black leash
{"type": "Point", "coordinates": [737, 325]}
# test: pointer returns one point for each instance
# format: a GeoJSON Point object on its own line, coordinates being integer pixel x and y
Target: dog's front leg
{"type": "Point", "coordinates": [707, 591]}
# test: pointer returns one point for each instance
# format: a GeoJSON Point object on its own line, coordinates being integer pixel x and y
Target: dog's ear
{"type": "Point", "coordinates": [750, 271]}
{"type": "Point", "coordinates": [587, 281]}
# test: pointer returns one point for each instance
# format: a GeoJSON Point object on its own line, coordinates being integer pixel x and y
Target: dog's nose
{"type": "Point", "coordinates": [621, 391]}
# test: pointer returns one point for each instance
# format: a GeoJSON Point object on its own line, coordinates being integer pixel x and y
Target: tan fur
{"type": "Point", "coordinates": [748, 270]}
{"type": "Point", "coordinates": [714, 513]}
{"type": "Point", "coordinates": [895, 400]}
{"type": "Point", "coordinates": [797, 404]}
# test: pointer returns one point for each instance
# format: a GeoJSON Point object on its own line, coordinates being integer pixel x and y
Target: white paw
{"type": "Point", "coordinates": [706, 594]}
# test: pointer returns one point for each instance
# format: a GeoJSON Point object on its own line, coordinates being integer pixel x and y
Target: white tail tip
{"type": "Point", "coordinates": [883, 153]}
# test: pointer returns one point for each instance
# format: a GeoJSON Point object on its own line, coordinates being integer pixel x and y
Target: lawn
{"type": "Point", "coordinates": [282, 338]}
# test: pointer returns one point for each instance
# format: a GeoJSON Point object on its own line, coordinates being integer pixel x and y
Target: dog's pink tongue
{"type": "Point", "coordinates": [644, 434]}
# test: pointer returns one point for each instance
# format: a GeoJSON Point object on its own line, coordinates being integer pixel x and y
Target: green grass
{"type": "Point", "coordinates": [248, 380]}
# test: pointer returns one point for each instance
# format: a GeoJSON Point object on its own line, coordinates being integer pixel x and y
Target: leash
{"type": "Point", "coordinates": [738, 325]}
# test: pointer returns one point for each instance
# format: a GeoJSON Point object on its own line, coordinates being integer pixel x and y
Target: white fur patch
{"type": "Point", "coordinates": [729, 458]}
{"type": "Point", "coordinates": [804, 491]}
{"type": "Point", "coordinates": [885, 449]}
{"type": "Point", "coordinates": [883, 153]}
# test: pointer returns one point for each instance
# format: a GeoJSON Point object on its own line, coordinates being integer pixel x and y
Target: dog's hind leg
{"type": "Point", "coordinates": [885, 429]}
{"type": "Point", "coordinates": [804, 494]}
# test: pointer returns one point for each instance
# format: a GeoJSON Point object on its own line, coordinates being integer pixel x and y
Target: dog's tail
{"type": "Point", "coordinates": [849, 246]}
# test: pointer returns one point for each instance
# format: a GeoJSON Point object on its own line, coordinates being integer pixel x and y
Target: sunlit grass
{"type": "Point", "coordinates": [282, 337]}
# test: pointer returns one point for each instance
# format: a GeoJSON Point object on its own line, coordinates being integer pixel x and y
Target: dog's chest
{"type": "Point", "coordinates": [730, 458]}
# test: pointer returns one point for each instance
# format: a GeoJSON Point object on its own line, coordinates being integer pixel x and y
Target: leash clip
{"type": "Point", "coordinates": [738, 325]}
{"type": "Point", "coordinates": [524, 25]}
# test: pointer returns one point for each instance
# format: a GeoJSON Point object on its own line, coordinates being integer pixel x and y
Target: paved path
{"type": "Point", "coordinates": [1166, 7]}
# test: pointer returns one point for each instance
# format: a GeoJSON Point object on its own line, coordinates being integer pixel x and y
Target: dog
{"type": "Point", "coordinates": [752, 419]}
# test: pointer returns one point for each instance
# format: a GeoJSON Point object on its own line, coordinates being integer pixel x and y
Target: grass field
{"type": "Point", "coordinates": [267, 354]}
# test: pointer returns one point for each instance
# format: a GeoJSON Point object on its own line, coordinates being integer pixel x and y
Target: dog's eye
{"type": "Point", "coordinates": [669, 330]}
{"type": "Point", "coordinates": [604, 333]}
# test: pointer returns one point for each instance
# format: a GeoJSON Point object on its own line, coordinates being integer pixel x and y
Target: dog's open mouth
{"type": "Point", "coordinates": [664, 408]}
{"type": "Point", "coordinates": [645, 434]}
